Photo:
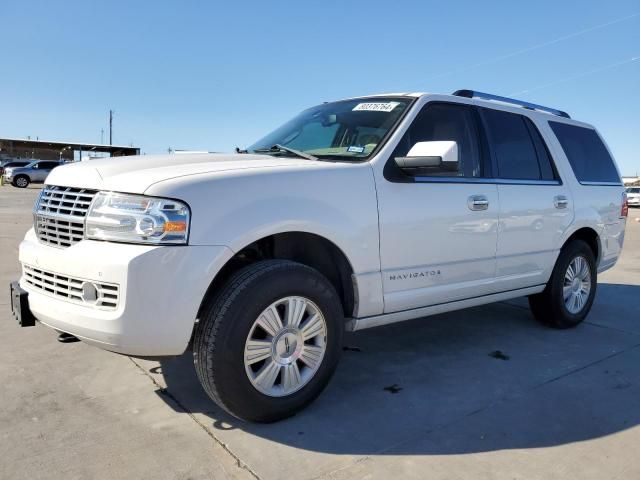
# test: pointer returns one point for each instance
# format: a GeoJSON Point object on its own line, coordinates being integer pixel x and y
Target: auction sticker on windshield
{"type": "Point", "coordinates": [376, 106]}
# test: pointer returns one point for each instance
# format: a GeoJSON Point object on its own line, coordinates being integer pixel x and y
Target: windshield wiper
{"type": "Point", "coordinates": [281, 148]}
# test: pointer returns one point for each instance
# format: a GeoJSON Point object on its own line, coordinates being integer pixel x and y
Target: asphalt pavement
{"type": "Point", "coordinates": [484, 393]}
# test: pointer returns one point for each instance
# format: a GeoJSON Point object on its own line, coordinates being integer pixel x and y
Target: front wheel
{"type": "Point", "coordinates": [567, 298]}
{"type": "Point", "coordinates": [21, 181]}
{"type": "Point", "coordinates": [268, 343]}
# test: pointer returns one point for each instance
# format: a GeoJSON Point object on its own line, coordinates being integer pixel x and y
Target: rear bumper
{"type": "Point", "coordinates": [160, 291]}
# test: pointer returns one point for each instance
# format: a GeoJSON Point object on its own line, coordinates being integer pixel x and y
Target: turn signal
{"type": "Point", "coordinates": [175, 226]}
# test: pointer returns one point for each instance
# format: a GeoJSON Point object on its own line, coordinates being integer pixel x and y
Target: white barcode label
{"type": "Point", "coordinates": [376, 106]}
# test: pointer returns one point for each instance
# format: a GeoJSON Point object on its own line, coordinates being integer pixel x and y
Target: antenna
{"type": "Point", "coordinates": [110, 127]}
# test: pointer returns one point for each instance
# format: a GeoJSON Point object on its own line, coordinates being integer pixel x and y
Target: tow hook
{"type": "Point", "coordinates": [67, 338]}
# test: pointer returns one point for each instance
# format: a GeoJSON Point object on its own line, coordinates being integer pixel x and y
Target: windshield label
{"type": "Point", "coordinates": [355, 149]}
{"type": "Point", "coordinates": [376, 106]}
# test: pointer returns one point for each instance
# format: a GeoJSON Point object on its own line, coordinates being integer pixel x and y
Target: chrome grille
{"type": "Point", "coordinates": [70, 288]}
{"type": "Point", "coordinates": [60, 213]}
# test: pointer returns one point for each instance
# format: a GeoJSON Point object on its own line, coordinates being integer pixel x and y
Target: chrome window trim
{"type": "Point", "coordinates": [482, 180]}
{"type": "Point", "coordinates": [602, 184]}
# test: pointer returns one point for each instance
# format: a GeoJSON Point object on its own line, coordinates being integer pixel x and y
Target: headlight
{"type": "Point", "coordinates": [137, 219]}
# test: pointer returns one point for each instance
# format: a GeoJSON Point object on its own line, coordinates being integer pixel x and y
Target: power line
{"type": "Point", "coordinates": [576, 76]}
{"type": "Point", "coordinates": [535, 47]}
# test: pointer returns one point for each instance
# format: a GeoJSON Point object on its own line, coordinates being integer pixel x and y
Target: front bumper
{"type": "Point", "coordinates": [160, 292]}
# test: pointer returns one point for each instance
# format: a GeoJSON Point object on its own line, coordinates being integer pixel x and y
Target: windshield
{"type": "Point", "coordinates": [633, 190]}
{"type": "Point", "coordinates": [350, 129]}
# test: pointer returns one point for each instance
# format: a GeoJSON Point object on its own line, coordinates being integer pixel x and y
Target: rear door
{"type": "Point", "coordinates": [535, 206]}
{"type": "Point", "coordinates": [43, 170]}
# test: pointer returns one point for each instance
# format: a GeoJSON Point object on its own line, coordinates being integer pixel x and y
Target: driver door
{"type": "Point", "coordinates": [438, 230]}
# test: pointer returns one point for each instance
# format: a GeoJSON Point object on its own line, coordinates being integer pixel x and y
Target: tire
{"type": "Point", "coordinates": [21, 181]}
{"type": "Point", "coordinates": [230, 323]}
{"type": "Point", "coordinates": [550, 306]}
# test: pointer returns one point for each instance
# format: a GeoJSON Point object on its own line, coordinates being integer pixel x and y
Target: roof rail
{"type": "Point", "coordinates": [512, 101]}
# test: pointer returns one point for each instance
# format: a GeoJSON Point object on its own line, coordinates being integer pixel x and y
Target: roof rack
{"type": "Point", "coordinates": [512, 101]}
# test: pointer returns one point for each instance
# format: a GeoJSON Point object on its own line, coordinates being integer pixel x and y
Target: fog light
{"type": "Point", "coordinates": [89, 292]}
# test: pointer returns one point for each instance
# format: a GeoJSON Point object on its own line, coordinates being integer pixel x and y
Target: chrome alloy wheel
{"type": "Point", "coordinates": [285, 346]}
{"type": "Point", "coordinates": [21, 182]}
{"type": "Point", "coordinates": [577, 285]}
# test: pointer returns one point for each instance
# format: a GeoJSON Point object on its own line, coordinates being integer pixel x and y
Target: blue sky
{"type": "Point", "coordinates": [212, 75]}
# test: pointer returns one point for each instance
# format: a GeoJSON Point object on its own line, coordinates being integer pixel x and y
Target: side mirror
{"type": "Point", "coordinates": [429, 158]}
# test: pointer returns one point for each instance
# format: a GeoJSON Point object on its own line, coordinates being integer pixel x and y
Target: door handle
{"type": "Point", "coordinates": [478, 202]}
{"type": "Point", "coordinates": [560, 201]}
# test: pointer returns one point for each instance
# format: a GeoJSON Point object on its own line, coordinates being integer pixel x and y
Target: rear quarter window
{"type": "Point", "coordinates": [587, 154]}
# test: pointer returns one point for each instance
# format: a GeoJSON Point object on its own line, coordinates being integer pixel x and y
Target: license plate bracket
{"type": "Point", "coordinates": [20, 305]}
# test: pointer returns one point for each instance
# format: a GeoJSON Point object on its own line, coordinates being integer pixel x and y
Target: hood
{"type": "Point", "coordinates": [16, 169]}
{"type": "Point", "coordinates": [137, 174]}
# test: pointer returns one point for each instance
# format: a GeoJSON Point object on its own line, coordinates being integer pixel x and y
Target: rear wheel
{"type": "Point", "coordinates": [21, 181]}
{"type": "Point", "coordinates": [567, 298]}
{"type": "Point", "coordinates": [268, 343]}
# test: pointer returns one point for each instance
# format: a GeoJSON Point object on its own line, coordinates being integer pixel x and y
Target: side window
{"type": "Point", "coordinates": [547, 170]}
{"type": "Point", "coordinates": [443, 121]}
{"type": "Point", "coordinates": [587, 155]}
{"type": "Point", "coordinates": [513, 147]}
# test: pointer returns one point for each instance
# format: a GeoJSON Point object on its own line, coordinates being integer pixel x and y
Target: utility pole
{"type": "Point", "coordinates": [102, 136]}
{"type": "Point", "coordinates": [110, 127]}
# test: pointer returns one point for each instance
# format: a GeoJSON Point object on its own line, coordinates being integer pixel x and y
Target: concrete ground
{"type": "Point", "coordinates": [425, 399]}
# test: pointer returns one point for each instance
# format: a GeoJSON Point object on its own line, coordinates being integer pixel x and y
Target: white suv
{"type": "Point", "coordinates": [633, 196]}
{"type": "Point", "coordinates": [356, 213]}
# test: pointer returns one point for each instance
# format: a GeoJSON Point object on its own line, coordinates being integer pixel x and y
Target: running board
{"type": "Point", "coordinates": [368, 322]}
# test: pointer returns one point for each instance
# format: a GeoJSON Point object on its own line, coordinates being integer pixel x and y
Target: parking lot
{"type": "Point", "coordinates": [485, 393]}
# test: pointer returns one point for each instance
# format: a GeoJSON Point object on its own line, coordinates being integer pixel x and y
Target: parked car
{"type": "Point", "coordinates": [13, 163]}
{"type": "Point", "coordinates": [633, 196]}
{"type": "Point", "coordinates": [34, 172]}
{"type": "Point", "coordinates": [356, 213]}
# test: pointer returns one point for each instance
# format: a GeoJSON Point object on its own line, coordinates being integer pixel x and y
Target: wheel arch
{"type": "Point", "coordinates": [589, 236]}
{"type": "Point", "coordinates": [307, 248]}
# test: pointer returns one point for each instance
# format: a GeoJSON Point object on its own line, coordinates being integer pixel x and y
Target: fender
{"type": "Point", "coordinates": [336, 201]}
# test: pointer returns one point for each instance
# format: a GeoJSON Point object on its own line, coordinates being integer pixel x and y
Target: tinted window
{"type": "Point", "coordinates": [446, 122]}
{"type": "Point", "coordinates": [512, 145]}
{"type": "Point", "coordinates": [547, 170]}
{"type": "Point", "coordinates": [587, 154]}
{"type": "Point", "coordinates": [47, 165]}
